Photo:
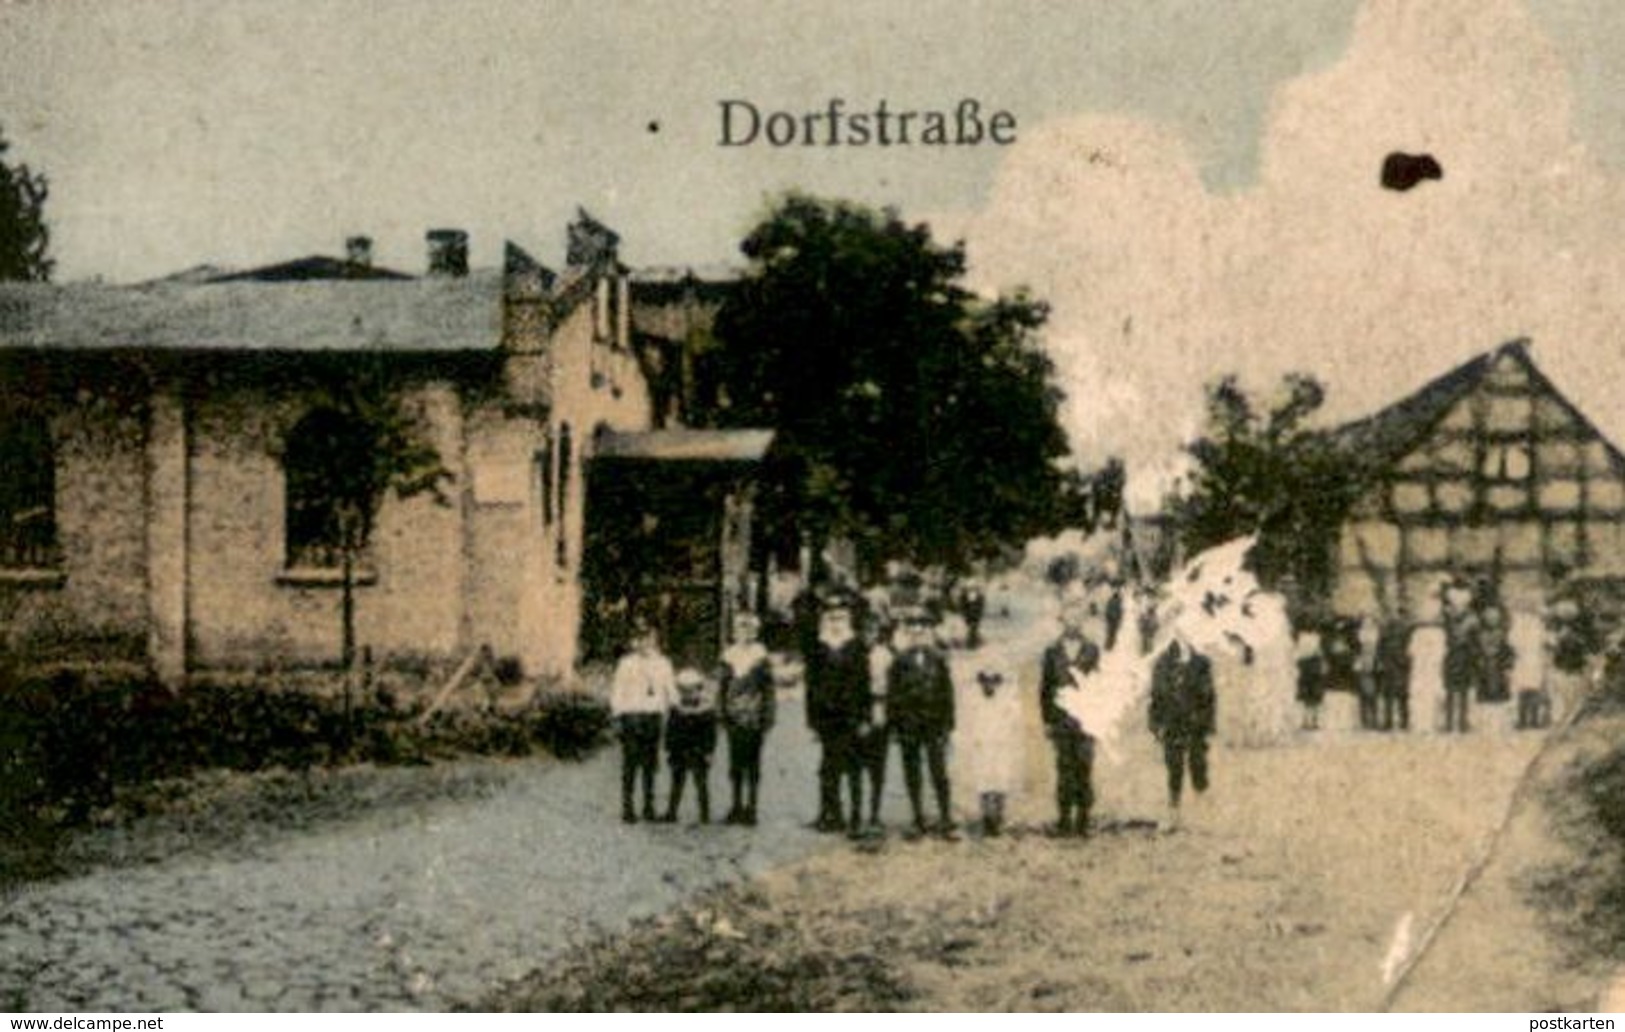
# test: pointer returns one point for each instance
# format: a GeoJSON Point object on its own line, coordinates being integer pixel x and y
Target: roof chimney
{"type": "Point", "coordinates": [448, 252]}
{"type": "Point", "coordinates": [358, 251]}
{"type": "Point", "coordinates": [590, 242]}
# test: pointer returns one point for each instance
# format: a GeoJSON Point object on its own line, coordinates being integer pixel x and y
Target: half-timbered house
{"type": "Point", "coordinates": [1489, 472]}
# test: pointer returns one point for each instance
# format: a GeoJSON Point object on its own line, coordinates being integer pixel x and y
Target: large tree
{"type": "Point", "coordinates": [23, 234]}
{"type": "Point", "coordinates": [913, 418]}
{"type": "Point", "coordinates": [361, 441]}
{"type": "Point", "coordinates": [1261, 469]}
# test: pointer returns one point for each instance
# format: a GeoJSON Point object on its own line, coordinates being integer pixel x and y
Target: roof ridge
{"type": "Point", "coordinates": [1392, 431]}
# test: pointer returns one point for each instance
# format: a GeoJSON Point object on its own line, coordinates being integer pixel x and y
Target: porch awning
{"type": "Point", "coordinates": [684, 445]}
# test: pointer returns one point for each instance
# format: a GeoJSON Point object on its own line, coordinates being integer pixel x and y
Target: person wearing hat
{"type": "Point", "coordinates": [691, 740]}
{"type": "Point", "coordinates": [642, 689]}
{"type": "Point", "coordinates": [838, 701]}
{"type": "Point", "coordinates": [1394, 673]}
{"type": "Point", "coordinates": [748, 709]}
{"type": "Point", "coordinates": [1066, 664]}
{"type": "Point", "coordinates": [1462, 654]}
{"type": "Point", "coordinates": [920, 712]}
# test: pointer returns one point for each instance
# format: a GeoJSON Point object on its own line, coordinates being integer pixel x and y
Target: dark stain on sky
{"type": "Point", "coordinates": [1401, 171]}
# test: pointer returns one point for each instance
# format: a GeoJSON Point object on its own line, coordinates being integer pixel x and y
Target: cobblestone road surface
{"type": "Point", "coordinates": [386, 912]}
{"type": "Point", "coordinates": [419, 911]}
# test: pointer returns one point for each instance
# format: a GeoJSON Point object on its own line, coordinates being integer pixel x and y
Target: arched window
{"type": "Point", "coordinates": [327, 465]}
{"type": "Point", "coordinates": [27, 493]}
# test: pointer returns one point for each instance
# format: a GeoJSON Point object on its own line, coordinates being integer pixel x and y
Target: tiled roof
{"type": "Point", "coordinates": [426, 315]}
{"type": "Point", "coordinates": [1388, 435]}
{"type": "Point", "coordinates": [313, 267]}
{"type": "Point", "coordinates": [1376, 442]}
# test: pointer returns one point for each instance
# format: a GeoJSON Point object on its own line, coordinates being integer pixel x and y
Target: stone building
{"type": "Point", "coordinates": [1487, 471]}
{"type": "Point", "coordinates": [160, 444]}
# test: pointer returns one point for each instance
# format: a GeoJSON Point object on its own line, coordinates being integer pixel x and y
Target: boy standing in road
{"type": "Point", "coordinates": [1067, 663]}
{"type": "Point", "coordinates": [920, 711]}
{"type": "Point", "coordinates": [643, 689]}
{"type": "Point", "coordinates": [1183, 716]}
{"type": "Point", "coordinates": [748, 710]}
{"type": "Point", "coordinates": [838, 701]}
{"type": "Point", "coordinates": [691, 739]}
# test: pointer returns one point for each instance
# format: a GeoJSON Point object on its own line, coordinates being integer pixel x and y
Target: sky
{"type": "Point", "coordinates": [181, 132]}
{"type": "Point", "coordinates": [1193, 187]}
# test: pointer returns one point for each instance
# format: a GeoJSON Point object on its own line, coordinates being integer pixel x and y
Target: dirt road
{"type": "Point", "coordinates": [1289, 893]}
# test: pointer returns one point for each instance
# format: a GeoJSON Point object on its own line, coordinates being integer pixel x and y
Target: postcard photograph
{"type": "Point", "coordinates": [539, 505]}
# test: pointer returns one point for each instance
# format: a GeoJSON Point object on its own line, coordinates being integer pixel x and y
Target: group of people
{"type": "Point", "coordinates": [874, 678]}
{"type": "Point", "coordinates": [1478, 653]}
{"type": "Point", "coordinates": [651, 701]}
{"type": "Point", "coordinates": [1366, 658]}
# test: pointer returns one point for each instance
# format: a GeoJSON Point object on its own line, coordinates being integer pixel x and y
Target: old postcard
{"type": "Point", "coordinates": [906, 506]}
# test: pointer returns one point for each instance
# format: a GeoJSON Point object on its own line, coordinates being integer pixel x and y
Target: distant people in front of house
{"type": "Point", "coordinates": [748, 707]}
{"type": "Point", "coordinates": [1427, 651]}
{"type": "Point", "coordinates": [1067, 665]}
{"type": "Point", "coordinates": [1366, 635]}
{"type": "Point", "coordinates": [920, 714]}
{"type": "Point", "coordinates": [1462, 654]}
{"type": "Point", "coordinates": [1496, 657]}
{"type": "Point", "coordinates": [1394, 673]}
{"type": "Point", "coordinates": [691, 741]}
{"type": "Point", "coordinates": [642, 690]}
{"type": "Point", "coordinates": [1573, 642]}
{"type": "Point", "coordinates": [1338, 672]}
{"type": "Point", "coordinates": [1183, 717]}
{"type": "Point", "coordinates": [838, 708]}
{"type": "Point", "coordinates": [1526, 633]}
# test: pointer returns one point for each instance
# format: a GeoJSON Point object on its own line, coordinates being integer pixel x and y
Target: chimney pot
{"type": "Point", "coordinates": [448, 252]}
{"type": "Point", "coordinates": [358, 251]}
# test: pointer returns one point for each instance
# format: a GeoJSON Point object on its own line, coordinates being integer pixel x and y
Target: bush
{"type": "Point", "coordinates": [571, 725]}
{"type": "Point", "coordinates": [70, 740]}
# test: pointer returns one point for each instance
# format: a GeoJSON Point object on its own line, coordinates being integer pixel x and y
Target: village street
{"type": "Point", "coordinates": [430, 905]}
{"type": "Point", "coordinates": [420, 910]}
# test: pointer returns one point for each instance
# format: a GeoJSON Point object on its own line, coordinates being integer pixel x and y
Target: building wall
{"type": "Point", "coordinates": [594, 382]}
{"type": "Point", "coordinates": [247, 609]}
{"type": "Point", "coordinates": [94, 605]}
{"type": "Point", "coordinates": [171, 515]}
{"type": "Point", "coordinates": [503, 532]}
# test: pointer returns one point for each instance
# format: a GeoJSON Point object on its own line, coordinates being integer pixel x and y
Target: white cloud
{"type": "Point", "coordinates": [1159, 285]}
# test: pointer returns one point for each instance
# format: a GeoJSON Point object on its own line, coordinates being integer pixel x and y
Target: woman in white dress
{"type": "Point", "coordinates": [990, 738]}
{"type": "Point", "coordinates": [1427, 673]}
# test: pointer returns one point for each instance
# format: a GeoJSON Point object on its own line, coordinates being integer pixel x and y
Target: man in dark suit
{"type": "Point", "coordinates": [1183, 709]}
{"type": "Point", "coordinates": [920, 712]}
{"type": "Point", "coordinates": [1394, 674]}
{"type": "Point", "coordinates": [1462, 651]}
{"type": "Point", "coordinates": [1066, 663]}
{"type": "Point", "coordinates": [838, 703]}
